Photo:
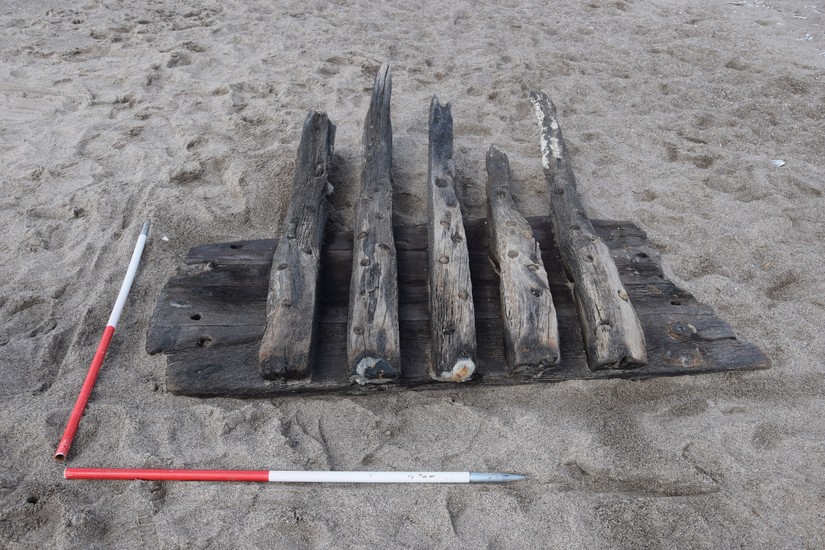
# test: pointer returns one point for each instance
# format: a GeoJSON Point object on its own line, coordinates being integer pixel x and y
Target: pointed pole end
{"type": "Point", "coordinates": [145, 229]}
{"type": "Point", "coordinates": [495, 477]}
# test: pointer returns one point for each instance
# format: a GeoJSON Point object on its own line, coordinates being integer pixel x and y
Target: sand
{"type": "Point", "coordinates": [190, 113]}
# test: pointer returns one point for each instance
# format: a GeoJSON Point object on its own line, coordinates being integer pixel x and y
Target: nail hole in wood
{"type": "Point", "coordinates": [195, 317]}
{"type": "Point", "coordinates": [235, 246]}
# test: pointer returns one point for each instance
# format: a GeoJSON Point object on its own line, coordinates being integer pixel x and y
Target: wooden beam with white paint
{"type": "Point", "coordinates": [611, 330]}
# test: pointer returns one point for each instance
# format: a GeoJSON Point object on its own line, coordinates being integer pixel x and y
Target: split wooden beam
{"type": "Point", "coordinates": [288, 345]}
{"type": "Point", "coordinates": [528, 316]}
{"type": "Point", "coordinates": [611, 331]}
{"type": "Point", "coordinates": [452, 314]}
{"type": "Point", "coordinates": [373, 352]}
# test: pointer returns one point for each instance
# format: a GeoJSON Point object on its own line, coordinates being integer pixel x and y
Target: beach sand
{"type": "Point", "coordinates": [190, 114]}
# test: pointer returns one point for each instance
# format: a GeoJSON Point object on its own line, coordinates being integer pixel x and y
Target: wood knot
{"type": "Point", "coordinates": [440, 182]}
{"type": "Point", "coordinates": [536, 292]}
{"type": "Point", "coordinates": [445, 223]}
{"type": "Point", "coordinates": [623, 295]}
{"type": "Point", "coordinates": [365, 262]}
{"type": "Point", "coordinates": [358, 330]}
{"type": "Point", "coordinates": [362, 235]}
{"type": "Point", "coordinates": [457, 237]}
{"type": "Point", "coordinates": [512, 253]}
{"type": "Point", "coordinates": [510, 223]}
{"type": "Point", "coordinates": [281, 267]}
{"type": "Point", "coordinates": [444, 260]}
{"type": "Point", "coordinates": [463, 294]}
{"type": "Point", "coordinates": [286, 303]}
{"type": "Point", "coordinates": [533, 267]}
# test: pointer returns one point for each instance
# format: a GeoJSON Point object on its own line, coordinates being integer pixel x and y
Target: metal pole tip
{"type": "Point", "coordinates": [494, 477]}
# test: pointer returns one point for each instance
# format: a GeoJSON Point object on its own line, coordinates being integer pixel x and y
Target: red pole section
{"type": "Point", "coordinates": [100, 354]}
{"type": "Point", "coordinates": [167, 475]}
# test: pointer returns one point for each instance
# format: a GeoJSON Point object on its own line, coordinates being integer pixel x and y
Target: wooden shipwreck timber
{"type": "Point", "coordinates": [504, 300]}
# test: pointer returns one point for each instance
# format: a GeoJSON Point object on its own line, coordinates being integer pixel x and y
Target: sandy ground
{"type": "Point", "coordinates": [190, 113]}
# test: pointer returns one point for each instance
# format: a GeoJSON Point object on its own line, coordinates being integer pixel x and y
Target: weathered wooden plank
{"type": "Point", "coordinates": [451, 291]}
{"type": "Point", "coordinates": [528, 316]}
{"type": "Point", "coordinates": [611, 330]}
{"type": "Point", "coordinates": [373, 352]}
{"type": "Point", "coordinates": [288, 345]}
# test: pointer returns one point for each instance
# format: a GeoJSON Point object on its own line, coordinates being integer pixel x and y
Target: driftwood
{"type": "Point", "coordinates": [288, 345]}
{"type": "Point", "coordinates": [612, 334]}
{"type": "Point", "coordinates": [373, 352]}
{"type": "Point", "coordinates": [451, 292]}
{"type": "Point", "coordinates": [528, 317]}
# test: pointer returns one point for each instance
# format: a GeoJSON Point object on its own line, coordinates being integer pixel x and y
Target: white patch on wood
{"type": "Point", "coordinates": [549, 146]}
{"type": "Point", "coordinates": [461, 372]}
{"type": "Point", "coordinates": [360, 372]}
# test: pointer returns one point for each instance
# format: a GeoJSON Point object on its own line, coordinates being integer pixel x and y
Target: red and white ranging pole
{"type": "Point", "coordinates": [97, 362]}
{"type": "Point", "coordinates": [289, 476]}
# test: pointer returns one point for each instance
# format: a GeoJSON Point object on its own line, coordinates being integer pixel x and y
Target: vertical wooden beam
{"type": "Point", "coordinates": [373, 352]}
{"type": "Point", "coordinates": [451, 294]}
{"type": "Point", "coordinates": [289, 341]}
{"type": "Point", "coordinates": [612, 334]}
{"type": "Point", "coordinates": [528, 317]}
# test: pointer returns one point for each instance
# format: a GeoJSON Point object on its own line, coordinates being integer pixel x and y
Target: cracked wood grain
{"type": "Point", "coordinates": [288, 344]}
{"type": "Point", "coordinates": [451, 293]}
{"type": "Point", "coordinates": [373, 353]}
{"type": "Point", "coordinates": [528, 316]}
